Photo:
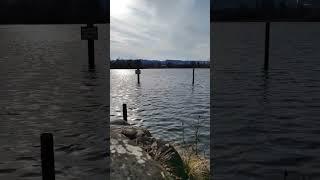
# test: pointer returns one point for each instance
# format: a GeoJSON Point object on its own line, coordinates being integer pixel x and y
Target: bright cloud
{"type": "Point", "coordinates": [160, 29]}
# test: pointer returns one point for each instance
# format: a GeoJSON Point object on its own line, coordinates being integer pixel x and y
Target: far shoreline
{"type": "Point", "coordinates": [167, 68]}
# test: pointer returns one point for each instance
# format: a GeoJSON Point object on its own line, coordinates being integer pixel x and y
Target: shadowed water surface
{"type": "Point", "coordinates": [46, 87]}
{"type": "Point", "coordinates": [164, 99]}
{"type": "Point", "coordinates": [265, 123]}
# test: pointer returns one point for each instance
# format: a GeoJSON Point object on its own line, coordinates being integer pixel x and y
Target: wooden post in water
{"type": "Point", "coordinates": [90, 33]}
{"type": "Point", "coordinates": [47, 156]}
{"type": "Point", "coordinates": [285, 175]}
{"type": "Point", "coordinates": [124, 111]}
{"type": "Point", "coordinates": [266, 44]}
{"type": "Point", "coordinates": [138, 72]}
{"type": "Point", "coordinates": [193, 76]}
{"type": "Point", "coordinates": [91, 50]}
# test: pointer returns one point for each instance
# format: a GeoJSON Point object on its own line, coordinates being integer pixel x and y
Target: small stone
{"type": "Point", "coordinates": [140, 161]}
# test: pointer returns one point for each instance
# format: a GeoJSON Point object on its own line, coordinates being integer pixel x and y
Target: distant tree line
{"type": "Point", "coordinates": [126, 64]}
{"type": "Point", "coordinates": [145, 64]}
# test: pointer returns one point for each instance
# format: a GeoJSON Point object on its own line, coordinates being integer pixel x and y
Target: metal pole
{"type": "Point", "coordinates": [266, 48]}
{"type": "Point", "coordinates": [124, 110]}
{"type": "Point", "coordinates": [91, 51]}
{"type": "Point", "coordinates": [47, 157]}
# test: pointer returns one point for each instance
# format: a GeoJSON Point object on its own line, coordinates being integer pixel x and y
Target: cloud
{"type": "Point", "coordinates": [161, 29]}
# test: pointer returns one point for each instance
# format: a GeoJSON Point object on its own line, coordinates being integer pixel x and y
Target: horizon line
{"type": "Point", "coordinates": [160, 59]}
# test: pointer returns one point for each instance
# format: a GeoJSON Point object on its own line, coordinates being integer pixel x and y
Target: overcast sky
{"type": "Point", "coordinates": [160, 29]}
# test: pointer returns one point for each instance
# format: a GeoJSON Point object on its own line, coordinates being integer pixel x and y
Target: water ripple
{"type": "Point", "coordinates": [163, 100]}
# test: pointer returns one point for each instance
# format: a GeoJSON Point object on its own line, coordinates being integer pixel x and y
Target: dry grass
{"type": "Point", "coordinates": [196, 166]}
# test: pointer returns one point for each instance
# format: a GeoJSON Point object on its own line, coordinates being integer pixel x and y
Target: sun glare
{"type": "Point", "coordinates": [123, 72]}
{"type": "Point", "coordinates": [119, 8]}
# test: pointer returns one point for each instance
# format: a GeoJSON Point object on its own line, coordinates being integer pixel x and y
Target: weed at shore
{"type": "Point", "coordinates": [196, 165]}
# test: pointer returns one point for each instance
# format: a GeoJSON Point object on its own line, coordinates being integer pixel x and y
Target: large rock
{"type": "Point", "coordinates": [135, 154]}
{"type": "Point", "coordinates": [129, 161]}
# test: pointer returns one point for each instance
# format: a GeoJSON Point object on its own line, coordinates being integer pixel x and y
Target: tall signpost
{"type": "Point", "coordinates": [138, 71]}
{"type": "Point", "coordinates": [90, 33]}
{"type": "Point", "coordinates": [59, 12]}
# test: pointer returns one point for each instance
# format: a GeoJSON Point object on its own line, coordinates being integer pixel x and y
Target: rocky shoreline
{"type": "Point", "coordinates": [135, 154]}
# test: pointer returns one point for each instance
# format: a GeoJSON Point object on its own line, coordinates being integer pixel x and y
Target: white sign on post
{"type": "Point", "coordinates": [89, 33]}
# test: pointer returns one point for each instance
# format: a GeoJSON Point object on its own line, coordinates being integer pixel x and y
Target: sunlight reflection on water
{"type": "Point", "coordinates": [163, 99]}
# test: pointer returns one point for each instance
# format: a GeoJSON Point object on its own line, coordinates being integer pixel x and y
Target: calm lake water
{"type": "Point", "coordinates": [265, 123]}
{"type": "Point", "coordinates": [164, 99]}
{"type": "Point", "coordinates": [46, 87]}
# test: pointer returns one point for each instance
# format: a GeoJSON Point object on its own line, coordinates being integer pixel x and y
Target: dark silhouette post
{"type": "Point", "coordinates": [193, 76]}
{"type": "Point", "coordinates": [91, 50]}
{"type": "Point", "coordinates": [266, 44]}
{"type": "Point", "coordinates": [194, 65]}
{"type": "Point", "coordinates": [124, 111]}
{"type": "Point", "coordinates": [138, 71]}
{"type": "Point", "coordinates": [285, 175]}
{"type": "Point", "coordinates": [90, 33]}
{"type": "Point", "coordinates": [47, 157]}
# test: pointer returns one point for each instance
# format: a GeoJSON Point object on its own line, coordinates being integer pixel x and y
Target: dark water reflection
{"type": "Point", "coordinates": [46, 87]}
{"type": "Point", "coordinates": [163, 100]}
{"type": "Point", "coordinates": [264, 122]}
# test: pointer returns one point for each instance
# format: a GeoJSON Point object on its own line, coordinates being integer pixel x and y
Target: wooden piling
{"type": "Point", "coordinates": [285, 175]}
{"type": "Point", "coordinates": [193, 76]}
{"type": "Point", "coordinates": [138, 72]}
{"type": "Point", "coordinates": [267, 44]}
{"type": "Point", "coordinates": [47, 157]}
{"type": "Point", "coordinates": [124, 110]}
{"type": "Point", "coordinates": [91, 51]}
